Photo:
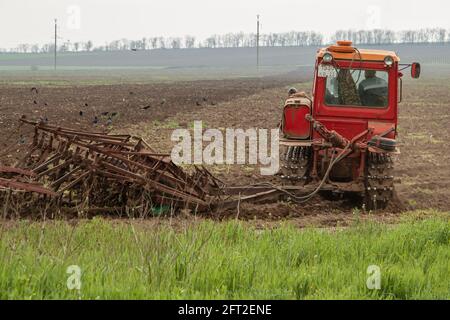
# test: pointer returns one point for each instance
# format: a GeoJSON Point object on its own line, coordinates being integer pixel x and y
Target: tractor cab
{"type": "Point", "coordinates": [353, 87]}
{"type": "Point", "coordinates": [353, 112]}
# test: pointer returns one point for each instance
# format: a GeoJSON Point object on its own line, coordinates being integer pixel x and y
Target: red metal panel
{"type": "Point", "coordinates": [348, 128]}
{"type": "Point", "coordinates": [382, 127]}
{"type": "Point", "coordinates": [294, 123]}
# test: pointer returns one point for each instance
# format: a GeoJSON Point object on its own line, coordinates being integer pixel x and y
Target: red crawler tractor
{"type": "Point", "coordinates": [344, 137]}
{"type": "Point", "coordinates": [341, 140]}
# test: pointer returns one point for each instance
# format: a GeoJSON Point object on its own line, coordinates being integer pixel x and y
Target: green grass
{"type": "Point", "coordinates": [229, 260]}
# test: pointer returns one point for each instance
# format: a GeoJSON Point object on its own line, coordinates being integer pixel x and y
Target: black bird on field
{"type": "Point", "coordinates": [34, 101]}
{"type": "Point", "coordinates": [146, 107]}
{"type": "Point", "coordinates": [105, 113]}
{"type": "Point", "coordinates": [81, 113]}
{"type": "Point", "coordinates": [43, 120]}
{"type": "Point", "coordinates": [198, 103]}
{"type": "Point", "coordinates": [95, 121]}
{"type": "Point", "coordinates": [35, 90]}
{"type": "Point", "coordinates": [86, 105]}
{"type": "Point", "coordinates": [45, 104]}
{"type": "Point", "coordinates": [205, 99]}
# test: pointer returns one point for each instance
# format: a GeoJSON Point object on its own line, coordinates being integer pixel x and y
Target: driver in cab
{"type": "Point", "coordinates": [373, 90]}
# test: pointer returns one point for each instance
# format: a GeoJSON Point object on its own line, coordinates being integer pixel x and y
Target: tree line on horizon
{"type": "Point", "coordinates": [241, 40]}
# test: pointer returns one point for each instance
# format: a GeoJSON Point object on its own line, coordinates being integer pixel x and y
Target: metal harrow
{"type": "Point", "coordinates": [76, 169]}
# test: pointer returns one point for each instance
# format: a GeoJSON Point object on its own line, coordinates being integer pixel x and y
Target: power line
{"type": "Point", "coordinates": [56, 37]}
{"type": "Point", "coordinates": [257, 41]}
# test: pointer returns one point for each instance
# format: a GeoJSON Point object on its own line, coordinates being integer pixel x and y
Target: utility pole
{"type": "Point", "coordinates": [56, 37]}
{"type": "Point", "coordinates": [257, 41]}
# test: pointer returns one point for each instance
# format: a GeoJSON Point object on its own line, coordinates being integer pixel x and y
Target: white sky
{"type": "Point", "coordinates": [31, 21]}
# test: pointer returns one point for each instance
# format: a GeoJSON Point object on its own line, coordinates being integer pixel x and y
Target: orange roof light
{"type": "Point", "coordinates": [344, 43]}
{"type": "Point", "coordinates": [342, 46]}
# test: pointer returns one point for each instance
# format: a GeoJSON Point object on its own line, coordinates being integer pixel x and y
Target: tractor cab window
{"type": "Point", "coordinates": [356, 87]}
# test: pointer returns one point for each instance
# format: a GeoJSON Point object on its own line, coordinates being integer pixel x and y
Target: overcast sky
{"type": "Point", "coordinates": [31, 21]}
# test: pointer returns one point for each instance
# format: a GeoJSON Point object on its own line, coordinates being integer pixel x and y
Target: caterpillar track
{"type": "Point", "coordinates": [379, 181]}
{"type": "Point", "coordinates": [295, 164]}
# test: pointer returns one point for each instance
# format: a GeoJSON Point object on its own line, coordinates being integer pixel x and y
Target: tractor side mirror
{"type": "Point", "coordinates": [415, 70]}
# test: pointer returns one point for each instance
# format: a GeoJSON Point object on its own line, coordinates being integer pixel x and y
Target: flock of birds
{"type": "Point", "coordinates": [81, 113]}
{"type": "Point", "coordinates": [109, 116]}
{"type": "Point", "coordinates": [100, 118]}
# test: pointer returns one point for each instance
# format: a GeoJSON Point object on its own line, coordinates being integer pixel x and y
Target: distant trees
{"type": "Point", "coordinates": [435, 35]}
{"type": "Point", "coordinates": [240, 40]}
{"type": "Point", "coordinates": [376, 36]}
{"type": "Point", "coordinates": [88, 45]}
{"type": "Point", "coordinates": [175, 43]}
{"type": "Point", "coordinates": [379, 36]}
{"type": "Point", "coordinates": [189, 42]}
{"type": "Point", "coordinates": [35, 48]}
{"type": "Point", "coordinates": [23, 47]}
